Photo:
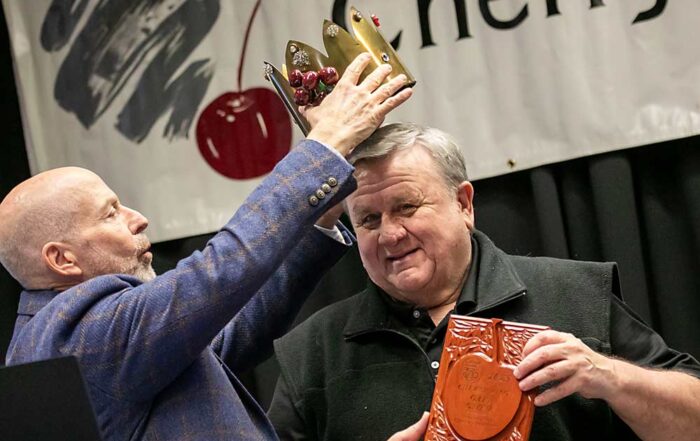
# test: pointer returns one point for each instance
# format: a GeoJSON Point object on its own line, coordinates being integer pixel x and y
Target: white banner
{"type": "Point", "coordinates": [161, 99]}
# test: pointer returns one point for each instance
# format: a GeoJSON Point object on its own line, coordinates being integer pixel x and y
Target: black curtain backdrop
{"type": "Point", "coordinates": [639, 207]}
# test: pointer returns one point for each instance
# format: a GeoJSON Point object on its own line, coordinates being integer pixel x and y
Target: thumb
{"type": "Point", "coordinates": [413, 432]}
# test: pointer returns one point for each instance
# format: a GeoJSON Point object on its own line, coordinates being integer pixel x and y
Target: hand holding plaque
{"type": "Point", "coordinates": [477, 397]}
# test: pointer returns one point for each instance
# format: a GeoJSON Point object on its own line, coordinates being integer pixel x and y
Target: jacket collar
{"type": "Point", "coordinates": [30, 302]}
{"type": "Point", "coordinates": [497, 283]}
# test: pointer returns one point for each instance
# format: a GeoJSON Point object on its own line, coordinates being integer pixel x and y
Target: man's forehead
{"type": "Point", "coordinates": [82, 189]}
{"type": "Point", "coordinates": [415, 160]}
{"type": "Point", "coordinates": [392, 192]}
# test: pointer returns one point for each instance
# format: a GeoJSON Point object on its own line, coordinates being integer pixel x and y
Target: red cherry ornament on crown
{"type": "Point", "coordinates": [310, 80]}
{"type": "Point", "coordinates": [302, 96]}
{"type": "Point", "coordinates": [329, 75]}
{"type": "Point", "coordinates": [295, 78]}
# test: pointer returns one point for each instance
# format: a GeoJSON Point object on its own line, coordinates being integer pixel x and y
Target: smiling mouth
{"type": "Point", "coordinates": [399, 257]}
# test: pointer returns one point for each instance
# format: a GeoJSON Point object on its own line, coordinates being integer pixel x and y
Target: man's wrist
{"type": "Point", "coordinates": [331, 140]}
{"type": "Point", "coordinates": [619, 380]}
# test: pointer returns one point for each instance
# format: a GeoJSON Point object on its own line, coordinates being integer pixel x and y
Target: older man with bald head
{"type": "Point", "coordinates": [72, 201]}
{"type": "Point", "coordinates": [161, 354]}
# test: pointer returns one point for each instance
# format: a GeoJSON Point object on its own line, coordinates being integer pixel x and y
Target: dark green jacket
{"type": "Point", "coordinates": [345, 374]}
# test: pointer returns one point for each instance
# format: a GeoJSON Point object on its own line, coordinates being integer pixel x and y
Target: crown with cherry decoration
{"type": "Point", "coordinates": [308, 75]}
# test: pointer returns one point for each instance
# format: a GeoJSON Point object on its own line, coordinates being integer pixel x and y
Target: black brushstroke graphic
{"type": "Point", "coordinates": [61, 19]}
{"type": "Point", "coordinates": [134, 47]}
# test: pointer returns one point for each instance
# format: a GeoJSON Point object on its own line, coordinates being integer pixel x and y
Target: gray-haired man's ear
{"type": "Point", "coordinates": [465, 197]}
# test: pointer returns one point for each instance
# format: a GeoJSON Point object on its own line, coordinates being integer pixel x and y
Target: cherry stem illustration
{"type": "Point", "coordinates": [245, 44]}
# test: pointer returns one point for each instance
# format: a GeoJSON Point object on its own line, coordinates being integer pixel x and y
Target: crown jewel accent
{"type": "Point", "coordinates": [313, 74]}
{"type": "Point", "coordinates": [300, 58]}
{"type": "Point", "coordinates": [332, 30]}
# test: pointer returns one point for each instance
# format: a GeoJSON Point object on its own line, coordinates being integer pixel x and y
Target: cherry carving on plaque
{"type": "Point", "coordinates": [476, 396]}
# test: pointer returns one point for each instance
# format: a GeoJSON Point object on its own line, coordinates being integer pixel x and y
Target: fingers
{"type": "Point", "coordinates": [540, 357]}
{"type": "Point", "coordinates": [556, 357]}
{"type": "Point", "coordinates": [554, 372]}
{"type": "Point", "coordinates": [355, 69]}
{"type": "Point", "coordinates": [376, 78]}
{"type": "Point", "coordinates": [351, 112]}
{"type": "Point", "coordinates": [391, 103]}
{"type": "Point", "coordinates": [556, 393]}
{"type": "Point", "coordinates": [544, 338]}
{"type": "Point", "coordinates": [413, 432]}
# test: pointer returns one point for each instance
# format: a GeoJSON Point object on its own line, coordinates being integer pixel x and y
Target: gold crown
{"type": "Point", "coordinates": [342, 48]}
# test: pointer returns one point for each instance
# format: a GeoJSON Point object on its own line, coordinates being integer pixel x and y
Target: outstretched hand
{"type": "Point", "coordinates": [348, 115]}
{"type": "Point", "coordinates": [552, 356]}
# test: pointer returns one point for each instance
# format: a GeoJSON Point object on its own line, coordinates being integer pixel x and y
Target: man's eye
{"type": "Point", "coordinates": [370, 221]}
{"type": "Point", "coordinates": [408, 208]}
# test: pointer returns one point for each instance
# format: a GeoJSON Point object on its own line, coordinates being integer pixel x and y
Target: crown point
{"type": "Point", "coordinates": [268, 70]}
{"type": "Point", "coordinates": [357, 16]}
{"type": "Point", "coordinates": [293, 48]}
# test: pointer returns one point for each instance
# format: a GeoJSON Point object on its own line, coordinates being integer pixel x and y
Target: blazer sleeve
{"type": "Point", "coordinates": [247, 339]}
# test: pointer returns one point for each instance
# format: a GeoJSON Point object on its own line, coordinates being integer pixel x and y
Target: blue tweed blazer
{"type": "Point", "coordinates": [161, 358]}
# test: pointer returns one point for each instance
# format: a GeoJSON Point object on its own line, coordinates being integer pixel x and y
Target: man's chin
{"type": "Point", "coordinates": [407, 289]}
{"type": "Point", "coordinates": [145, 273]}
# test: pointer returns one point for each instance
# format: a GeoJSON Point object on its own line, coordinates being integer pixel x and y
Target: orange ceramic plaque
{"type": "Point", "coordinates": [476, 396]}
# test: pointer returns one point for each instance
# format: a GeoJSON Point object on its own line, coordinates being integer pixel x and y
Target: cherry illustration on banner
{"type": "Point", "coordinates": [243, 134]}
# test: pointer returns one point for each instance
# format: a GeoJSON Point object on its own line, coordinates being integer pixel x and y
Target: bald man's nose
{"type": "Point", "coordinates": [137, 221]}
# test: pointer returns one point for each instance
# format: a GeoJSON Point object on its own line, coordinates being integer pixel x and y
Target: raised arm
{"type": "Point", "coordinates": [247, 339]}
{"type": "Point", "coordinates": [139, 337]}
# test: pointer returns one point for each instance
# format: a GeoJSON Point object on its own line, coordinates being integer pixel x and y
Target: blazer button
{"type": "Point", "coordinates": [326, 188]}
{"type": "Point", "coordinates": [313, 200]}
{"type": "Point", "coordinates": [320, 194]}
{"type": "Point", "coordinates": [332, 182]}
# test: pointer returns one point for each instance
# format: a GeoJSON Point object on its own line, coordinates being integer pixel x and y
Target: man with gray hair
{"type": "Point", "coordinates": [365, 367]}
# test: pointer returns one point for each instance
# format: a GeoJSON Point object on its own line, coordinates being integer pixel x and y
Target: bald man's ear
{"type": "Point", "coordinates": [59, 258]}
{"type": "Point", "coordinates": [465, 197]}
